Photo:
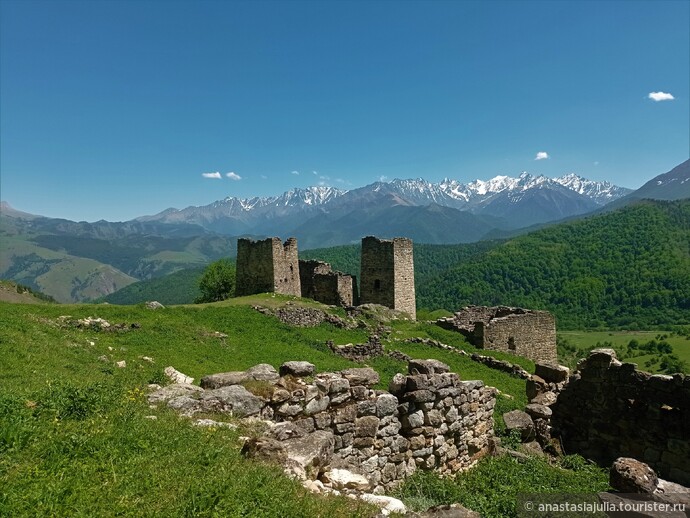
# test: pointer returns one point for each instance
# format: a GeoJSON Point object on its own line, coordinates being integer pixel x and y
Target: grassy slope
{"type": "Point", "coordinates": [74, 437]}
{"type": "Point", "coordinates": [620, 339]}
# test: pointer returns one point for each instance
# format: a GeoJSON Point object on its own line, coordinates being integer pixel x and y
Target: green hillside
{"type": "Point", "coordinates": [629, 268]}
{"type": "Point", "coordinates": [78, 438]}
{"type": "Point", "coordinates": [181, 287]}
{"type": "Point", "coordinates": [75, 262]}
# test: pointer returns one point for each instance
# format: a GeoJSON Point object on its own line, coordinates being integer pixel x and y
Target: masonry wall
{"type": "Point", "coordinates": [267, 266]}
{"type": "Point", "coordinates": [387, 274]}
{"type": "Point", "coordinates": [520, 331]}
{"type": "Point", "coordinates": [335, 288]}
{"type": "Point", "coordinates": [430, 421]}
{"type": "Point", "coordinates": [307, 270]}
{"type": "Point", "coordinates": [609, 409]}
{"type": "Point", "coordinates": [531, 334]}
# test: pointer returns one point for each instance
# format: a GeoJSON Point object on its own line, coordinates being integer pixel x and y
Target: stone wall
{"type": "Point", "coordinates": [387, 274]}
{"type": "Point", "coordinates": [267, 266]}
{"type": "Point", "coordinates": [429, 420]}
{"type": "Point", "coordinates": [319, 282]}
{"type": "Point", "coordinates": [609, 409]}
{"type": "Point", "coordinates": [524, 332]}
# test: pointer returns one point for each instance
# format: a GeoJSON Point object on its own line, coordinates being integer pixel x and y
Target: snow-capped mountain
{"type": "Point", "coordinates": [601, 192]}
{"type": "Point", "coordinates": [516, 202]}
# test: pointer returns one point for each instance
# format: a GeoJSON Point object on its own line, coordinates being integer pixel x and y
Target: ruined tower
{"type": "Point", "coordinates": [387, 274]}
{"type": "Point", "coordinates": [267, 266]}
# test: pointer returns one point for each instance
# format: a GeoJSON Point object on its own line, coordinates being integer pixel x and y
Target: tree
{"type": "Point", "coordinates": [217, 282]}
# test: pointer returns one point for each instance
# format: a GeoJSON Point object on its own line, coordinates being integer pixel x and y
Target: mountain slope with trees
{"type": "Point", "coordinates": [629, 268]}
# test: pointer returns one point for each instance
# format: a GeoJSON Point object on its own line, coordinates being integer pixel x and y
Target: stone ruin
{"type": "Point", "coordinates": [321, 283]}
{"type": "Point", "coordinates": [387, 274]}
{"type": "Point", "coordinates": [267, 266]}
{"type": "Point", "coordinates": [609, 409]}
{"type": "Point", "coordinates": [524, 332]}
{"type": "Point", "coordinates": [429, 419]}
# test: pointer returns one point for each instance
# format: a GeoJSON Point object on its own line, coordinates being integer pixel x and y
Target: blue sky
{"type": "Point", "coordinates": [115, 109]}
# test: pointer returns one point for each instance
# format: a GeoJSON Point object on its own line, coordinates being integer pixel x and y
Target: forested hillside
{"type": "Point", "coordinates": [181, 287]}
{"type": "Point", "coordinates": [630, 268]}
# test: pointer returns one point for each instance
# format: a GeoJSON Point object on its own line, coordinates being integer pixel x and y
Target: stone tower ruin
{"type": "Point", "coordinates": [387, 274]}
{"type": "Point", "coordinates": [267, 266]}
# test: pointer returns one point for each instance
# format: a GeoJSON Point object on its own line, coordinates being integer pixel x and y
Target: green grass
{"type": "Point", "coordinates": [74, 434]}
{"type": "Point", "coordinates": [493, 486]}
{"type": "Point", "coordinates": [620, 340]}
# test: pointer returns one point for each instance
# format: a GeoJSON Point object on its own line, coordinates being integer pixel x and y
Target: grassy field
{"type": "Point", "coordinates": [77, 437]}
{"type": "Point", "coordinates": [620, 340]}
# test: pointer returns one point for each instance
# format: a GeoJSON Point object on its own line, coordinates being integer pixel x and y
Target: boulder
{"type": "Point", "coordinates": [297, 368]}
{"type": "Point", "coordinates": [551, 373]}
{"type": "Point", "coordinates": [519, 420]}
{"type": "Point", "coordinates": [345, 479]}
{"type": "Point", "coordinates": [388, 504]}
{"type": "Point", "coordinates": [538, 411]}
{"type": "Point", "coordinates": [176, 376]}
{"type": "Point", "coordinates": [154, 304]}
{"type": "Point", "coordinates": [302, 456]}
{"type": "Point", "coordinates": [235, 399]}
{"type": "Point", "coordinates": [430, 366]}
{"type": "Point", "coordinates": [361, 376]}
{"type": "Point", "coordinates": [629, 475]}
{"type": "Point", "coordinates": [223, 379]}
{"type": "Point", "coordinates": [263, 372]}
{"type": "Point", "coordinates": [173, 391]}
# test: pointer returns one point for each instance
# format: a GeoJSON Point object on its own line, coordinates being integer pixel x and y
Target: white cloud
{"type": "Point", "coordinates": [323, 184]}
{"type": "Point", "coordinates": [314, 173]}
{"type": "Point", "coordinates": [233, 176]}
{"type": "Point", "coordinates": [215, 175]}
{"type": "Point", "coordinates": [296, 173]}
{"type": "Point", "coordinates": [660, 96]}
{"type": "Point", "coordinates": [383, 178]}
{"type": "Point", "coordinates": [542, 155]}
{"type": "Point", "coordinates": [324, 177]}
{"type": "Point", "coordinates": [263, 177]}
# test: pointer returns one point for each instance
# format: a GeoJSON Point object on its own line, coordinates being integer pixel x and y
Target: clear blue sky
{"type": "Point", "coordinates": [115, 109]}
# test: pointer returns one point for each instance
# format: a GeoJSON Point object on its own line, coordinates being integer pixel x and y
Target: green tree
{"type": "Point", "coordinates": [217, 282]}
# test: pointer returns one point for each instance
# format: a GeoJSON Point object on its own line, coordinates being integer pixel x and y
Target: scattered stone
{"type": "Point", "coordinates": [154, 304]}
{"type": "Point", "coordinates": [121, 364]}
{"type": "Point", "coordinates": [532, 448]}
{"type": "Point", "coordinates": [628, 475]}
{"type": "Point", "coordinates": [151, 417]}
{"type": "Point", "coordinates": [176, 376]}
{"type": "Point", "coordinates": [299, 369]}
{"type": "Point", "coordinates": [103, 358]}
{"type": "Point", "coordinates": [147, 359]}
{"type": "Point", "coordinates": [214, 424]}
{"type": "Point", "coordinates": [388, 504]}
{"type": "Point", "coordinates": [173, 391]}
{"type": "Point", "coordinates": [223, 379]}
{"type": "Point", "coordinates": [345, 479]}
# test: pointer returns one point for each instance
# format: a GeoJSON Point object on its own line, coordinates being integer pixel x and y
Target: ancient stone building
{"type": "Point", "coordinates": [387, 274]}
{"type": "Point", "coordinates": [524, 332]}
{"type": "Point", "coordinates": [267, 266]}
{"type": "Point", "coordinates": [610, 409]}
{"type": "Point", "coordinates": [319, 282]}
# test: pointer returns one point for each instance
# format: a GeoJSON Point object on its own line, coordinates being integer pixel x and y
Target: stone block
{"type": "Point", "coordinates": [299, 369]}
{"type": "Point", "coordinates": [366, 426]}
{"type": "Point", "coordinates": [361, 376]}
{"type": "Point", "coordinates": [551, 373]}
{"type": "Point", "coordinates": [430, 366]}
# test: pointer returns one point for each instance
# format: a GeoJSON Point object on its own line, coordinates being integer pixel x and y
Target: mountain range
{"type": "Point", "coordinates": [321, 216]}
{"type": "Point", "coordinates": [74, 261]}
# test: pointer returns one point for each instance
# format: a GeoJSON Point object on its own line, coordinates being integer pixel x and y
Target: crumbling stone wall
{"type": "Point", "coordinates": [307, 270]}
{"type": "Point", "coordinates": [387, 274]}
{"type": "Point", "coordinates": [609, 409]}
{"type": "Point", "coordinates": [430, 419]}
{"type": "Point", "coordinates": [524, 332]}
{"type": "Point", "coordinates": [319, 282]}
{"type": "Point", "coordinates": [267, 266]}
{"type": "Point", "coordinates": [358, 352]}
